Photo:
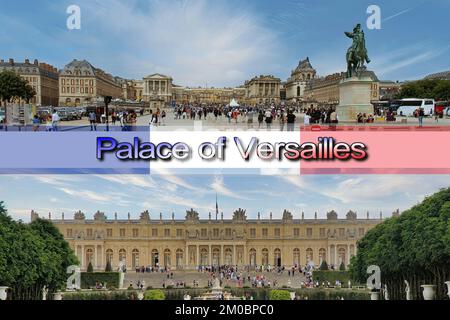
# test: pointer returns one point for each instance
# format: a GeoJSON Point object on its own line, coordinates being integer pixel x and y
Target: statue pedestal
{"type": "Point", "coordinates": [354, 97]}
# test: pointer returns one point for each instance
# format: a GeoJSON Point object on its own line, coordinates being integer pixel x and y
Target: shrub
{"type": "Point", "coordinates": [279, 295]}
{"type": "Point", "coordinates": [108, 267]}
{"type": "Point", "coordinates": [331, 276]}
{"type": "Point", "coordinates": [154, 295]}
{"type": "Point", "coordinates": [89, 279]}
{"type": "Point", "coordinates": [342, 267]}
{"type": "Point", "coordinates": [323, 266]}
{"type": "Point", "coordinates": [90, 268]}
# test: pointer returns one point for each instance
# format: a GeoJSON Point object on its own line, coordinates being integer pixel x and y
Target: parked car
{"type": "Point", "coordinates": [63, 115]}
{"type": "Point", "coordinates": [2, 116]}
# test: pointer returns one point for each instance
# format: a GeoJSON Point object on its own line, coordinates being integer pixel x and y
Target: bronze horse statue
{"type": "Point", "coordinates": [357, 53]}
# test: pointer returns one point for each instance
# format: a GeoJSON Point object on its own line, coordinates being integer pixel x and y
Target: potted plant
{"type": "Point", "coordinates": [3, 293]}
{"type": "Point", "coordinates": [429, 291]}
{"type": "Point", "coordinates": [57, 295]}
{"type": "Point", "coordinates": [374, 294]}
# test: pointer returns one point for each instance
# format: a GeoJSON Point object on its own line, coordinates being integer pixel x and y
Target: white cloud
{"type": "Point", "coordinates": [193, 41]}
{"type": "Point", "coordinates": [219, 186]}
{"type": "Point", "coordinates": [130, 180]}
{"type": "Point", "coordinates": [88, 195]}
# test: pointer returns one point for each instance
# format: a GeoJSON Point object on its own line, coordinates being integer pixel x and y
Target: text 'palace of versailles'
{"type": "Point", "coordinates": [187, 244]}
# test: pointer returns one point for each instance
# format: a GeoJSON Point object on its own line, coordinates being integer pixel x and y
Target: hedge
{"type": "Point", "coordinates": [279, 295]}
{"type": "Point", "coordinates": [89, 279]}
{"type": "Point", "coordinates": [331, 276]}
{"type": "Point", "coordinates": [154, 295]}
{"type": "Point", "coordinates": [99, 295]}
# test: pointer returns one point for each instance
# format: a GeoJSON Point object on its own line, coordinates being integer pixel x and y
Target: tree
{"type": "Point", "coordinates": [108, 267]}
{"type": "Point", "coordinates": [32, 256]}
{"type": "Point", "coordinates": [342, 266]}
{"type": "Point", "coordinates": [323, 266]}
{"type": "Point", "coordinates": [279, 295]}
{"type": "Point", "coordinates": [154, 295]}
{"type": "Point", "coordinates": [13, 86]}
{"type": "Point", "coordinates": [414, 246]}
{"type": "Point", "coordinates": [433, 89]}
{"type": "Point", "coordinates": [90, 268]}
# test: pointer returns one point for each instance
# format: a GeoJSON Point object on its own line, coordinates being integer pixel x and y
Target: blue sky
{"type": "Point", "coordinates": [224, 43]}
{"type": "Point", "coordinates": [177, 193]}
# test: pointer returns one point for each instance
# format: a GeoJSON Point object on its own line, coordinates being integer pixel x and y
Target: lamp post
{"type": "Point", "coordinates": [107, 100]}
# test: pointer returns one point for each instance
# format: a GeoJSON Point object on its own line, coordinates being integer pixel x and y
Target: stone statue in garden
{"type": "Point", "coordinates": [44, 293]}
{"type": "Point", "coordinates": [407, 290]}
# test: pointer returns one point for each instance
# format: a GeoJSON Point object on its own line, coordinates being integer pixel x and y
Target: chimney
{"type": "Point", "coordinates": [11, 61]}
{"type": "Point", "coordinates": [36, 62]}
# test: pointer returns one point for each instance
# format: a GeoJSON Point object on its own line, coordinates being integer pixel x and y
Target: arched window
{"type": "Point", "coordinates": [296, 256]}
{"type": "Point", "coordinates": [228, 257]}
{"type": "Point", "coordinates": [298, 91]}
{"type": "Point", "coordinates": [342, 255]}
{"type": "Point", "coordinates": [252, 257]}
{"type": "Point", "coordinates": [89, 256]}
{"type": "Point", "coordinates": [68, 100]}
{"type": "Point", "coordinates": [322, 255]}
{"type": "Point", "coordinates": [179, 257]}
{"type": "Point", "coordinates": [277, 257]}
{"type": "Point", "coordinates": [216, 256]}
{"type": "Point", "coordinates": [123, 256]}
{"type": "Point", "coordinates": [135, 258]}
{"type": "Point", "coordinates": [155, 258]}
{"type": "Point", "coordinates": [167, 258]}
{"type": "Point", "coordinates": [109, 256]}
{"type": "Point", "coordinates": [265, 257]}
{"type": "Point", "coordinates": [309, 255]}
{"type": "Point", "coordinates": [204, 257]}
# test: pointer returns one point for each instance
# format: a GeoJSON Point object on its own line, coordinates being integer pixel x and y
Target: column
{"type": "Point", "coordinates": [234, 255]}
{"type": "Point", "coordinates": [198, 255]}
{"type": "Point", "coordinates": [245, 256]}
{"type": "Point", "coordinates": [335, 257]}
{"type": "Point", "coordinates": [82, 256]}
{"type": "Point", "coordinates": [95, 257]}
{"type": "Point", "coordinates": [329, 254]}
{"type": "Point", "coordinates": [348, 255]}
{"type": "Point", "coordinates": [221, 262]}
{"type": "Point", "coordinates": [186, 256]}
{"type": "Point", "coordinates": [209, 255]}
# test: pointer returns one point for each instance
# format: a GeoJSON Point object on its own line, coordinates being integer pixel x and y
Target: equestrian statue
{"type": "Point", "coordinates": [357, 53]}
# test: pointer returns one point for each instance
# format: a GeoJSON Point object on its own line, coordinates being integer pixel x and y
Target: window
{"type": "Point", "coordinates": [63, 89]}
{"type": "Point", "coordinates": [109, 233]}
{"type": "Point", "coordinates": [264, 232]}
{"type": "Point", "coordinates": [91, 90]}
{"type": "Point", "coordinates": [72, 82]}
{"type": "Point", "coordinates": [228, 232]}
{"type": "Point", "coordinates": [296, 232]}
{"type": "Point", "coordinates": [253, 232]}
{"type": "Point", "coordinates": [72, 90]}
{"type": "Point", "coordinates": [154, 232]}
{"type": "Point", "coordinates": [322, 232]}
{"type": "Point", "coordinates": [89, 232]}
{"type": "Point", "coordinates": [122, 232]}
{"type": "Point", "coordinates": [135, 233]}
{"type": "Point", "coordinates": [203, 232]}
{"type": "Point", "coordinates": [277, 232]}
{"type": "Point", "coordinates": [166, 232]}
{"type": "Point", "coordinates": [309, 232]}
{"type": "Point", "coordinates": [216, 232]}
{"type": "Point", "coordinates": [341, 232]}
{"type": "Point", "coordinates": [63, 81]}
{"type": "Point", "coordinates": [69, 233]}
{"type": "Point", "coordinates": [361, 232]}
{"type": "Point", "coordinates": [179, 232]}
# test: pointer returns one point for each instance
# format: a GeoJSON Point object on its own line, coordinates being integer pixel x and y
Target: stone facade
{"type": "Point", "coordinates": [41, 76]}
{"type": "Point", "coordinates": [297, 82]}
{"type": "Point", "coordinates": [263, 89]}
{"type": "Point", "coordinates": [187, 243]}
{"type": "Point", "coordinates": [208, 95]}
{"type": "Point", "coordinates": [81, 83]}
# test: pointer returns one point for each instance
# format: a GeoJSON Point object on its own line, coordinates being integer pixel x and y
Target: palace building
{"type": "Point", "coordinates": [300, 77]}
{"type": "Point", "coordinates": [185, 244]}
{"type": "Point", "coordinates": [42, 77]}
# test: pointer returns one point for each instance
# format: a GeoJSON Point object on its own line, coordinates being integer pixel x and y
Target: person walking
{"type": "Point", "coordinates": [421, 114]}
{"type": "Point", "coordinates": [55, 120]}
{"type": "Point", "coordinates": [93, 121]}
{"type": "Point", "coordinates": [290, 121]}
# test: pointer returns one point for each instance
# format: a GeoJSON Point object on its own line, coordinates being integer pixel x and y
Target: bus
{"type": "Point", "coordinates": [408, 107]}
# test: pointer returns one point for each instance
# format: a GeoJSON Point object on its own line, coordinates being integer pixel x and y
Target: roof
{"type": "Point", "coordinates": [76, 66]}
{"type": "Point", "coordinates": [158, 75]}
{"type": "Point", "coordinates": [304, 65]}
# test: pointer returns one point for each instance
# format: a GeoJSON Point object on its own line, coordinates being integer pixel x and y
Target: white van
{"type": "Point", "coordinates": [409, 106]}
